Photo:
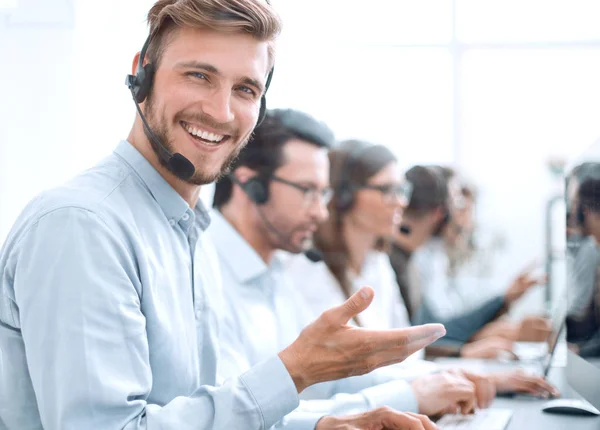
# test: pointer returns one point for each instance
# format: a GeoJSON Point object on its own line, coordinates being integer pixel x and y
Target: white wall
{"type": "Point", "coordinates": [36, 109]}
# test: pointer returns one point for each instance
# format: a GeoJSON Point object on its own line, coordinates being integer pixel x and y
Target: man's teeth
{"type": "Point", "coordinates": [211, 137]}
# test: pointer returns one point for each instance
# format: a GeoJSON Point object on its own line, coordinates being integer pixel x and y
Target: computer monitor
{"type": "Point", "coordinates": [583, 275]}
{"type": "Point", "coordinates": [552, 344]}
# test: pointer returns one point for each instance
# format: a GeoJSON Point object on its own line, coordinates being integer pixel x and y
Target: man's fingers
{"type": "Point", "coordinates": [485, 395]}
{"type": "Point", "coordinates": [393, 346]}
{"type": "Point", "coordinates": [357, 303]}
{"type": "Point", "coordinates": [544, 387]}
{"type": "Point", "coordinates": [485, 388]}
{"type": "Point", "coordinates": [468, 399]}
{"type": "Point", "coordinates": [529, 387]}
{"type": "Point", "coordinates": [426, 423]}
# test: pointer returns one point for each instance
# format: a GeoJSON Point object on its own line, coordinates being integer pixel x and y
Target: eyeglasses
{"type": "Point", "coordinates": [311, 194]}
{"type": "Point", "coordinates": [392, 192]}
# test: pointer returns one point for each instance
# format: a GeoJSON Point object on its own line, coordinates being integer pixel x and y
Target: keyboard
{"type": "Point", "coordinates": [530, 351]}
{"type": "Point", "coordinates": [485, 419]}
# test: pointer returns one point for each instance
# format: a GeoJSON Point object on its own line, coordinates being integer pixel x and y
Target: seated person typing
{"type": "Point", "coordinates": [583, 321]}
{"type": "Point", "coordinates": [420, 264]}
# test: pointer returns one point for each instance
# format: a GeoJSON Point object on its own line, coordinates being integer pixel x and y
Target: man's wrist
{"type": "Point", "coordinates": [294, 368]}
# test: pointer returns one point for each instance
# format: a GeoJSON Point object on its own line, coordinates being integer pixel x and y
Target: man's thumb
{"type": "Point", "coordinates": [357, 303]}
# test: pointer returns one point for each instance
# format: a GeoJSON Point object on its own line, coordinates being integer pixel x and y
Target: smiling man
{"type": "Point", "coordinates": [110, 297]}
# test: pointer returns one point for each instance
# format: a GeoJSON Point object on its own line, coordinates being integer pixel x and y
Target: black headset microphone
{"type": "Point", "coordinates": [404, 229]}
{"type": "Point", "coordinates": [257, 191]}
{"type": "Point", "coordinates": [140, 85]}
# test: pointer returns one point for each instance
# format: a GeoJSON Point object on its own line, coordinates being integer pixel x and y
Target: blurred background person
{"type": "Point", "coordinates": [420, 261]}
{"type": "Point", "coordinates": [583, 235]}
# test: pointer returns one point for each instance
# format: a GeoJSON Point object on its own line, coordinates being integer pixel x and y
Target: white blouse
{"type": "Point", "coordinates": [321, 290]}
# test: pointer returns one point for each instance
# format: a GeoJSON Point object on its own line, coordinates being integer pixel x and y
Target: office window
{"type": "Point", "coordinates": [527, 21]}
{"type": "Point", "coordinates": [396, 22]}
{"type": "Point", "coordinates": [398, 97]}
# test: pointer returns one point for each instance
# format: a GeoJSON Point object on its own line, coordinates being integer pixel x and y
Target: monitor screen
{"type": "Point", "coordinates": [582, 194]}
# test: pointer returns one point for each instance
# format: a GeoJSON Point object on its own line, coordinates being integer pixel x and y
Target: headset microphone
{"type": "Point", "coordinates": [404, 229]}
{"type": "Point", "coordinates": [314, 255]}
{"type": "Point", "coordinates": [176, 163]}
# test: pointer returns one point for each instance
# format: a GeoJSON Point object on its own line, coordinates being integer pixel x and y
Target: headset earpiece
{"type": "Point", "coordinates": [263, 100]}
{"type": "Point", "coordinates": [345, 197]}
{"type": "Point", "coordinates": [256, 188]}
{"type": "Point", "coordinates": [344, 193]}
{"type": "Point", "coordinates": [263, 110]}
{"type": "Point", "coordinates": [142, 82]}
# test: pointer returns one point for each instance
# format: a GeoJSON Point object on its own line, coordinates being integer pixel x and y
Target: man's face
{"type": "Point", "coordinates": [293, 212]}
{"type": "Point", "coordinates": [206, 95]}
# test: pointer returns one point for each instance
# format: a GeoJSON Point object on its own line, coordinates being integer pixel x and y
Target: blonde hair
{"type": "Point", "coordinates": [254, 17]}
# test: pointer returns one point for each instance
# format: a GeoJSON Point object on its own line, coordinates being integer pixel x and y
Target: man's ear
{"type": "Point", "coordinates": [438, 213]}
{"type": "Point", "coordinates": [134, 65]}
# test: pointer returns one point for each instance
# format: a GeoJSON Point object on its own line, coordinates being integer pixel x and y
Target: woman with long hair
{"type": "Point", "coordinates": [370, 193]}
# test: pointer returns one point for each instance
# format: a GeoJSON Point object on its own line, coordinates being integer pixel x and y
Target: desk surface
{"type": "Point", "coordinates": [527, 412]}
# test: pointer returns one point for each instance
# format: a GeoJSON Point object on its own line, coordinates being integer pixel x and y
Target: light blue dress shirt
{"type": "Point", "coordinates": [266, 314]}
{"type": "Point", "coordinates": [110, 304]}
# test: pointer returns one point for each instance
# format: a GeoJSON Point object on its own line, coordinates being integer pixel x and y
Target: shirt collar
{"type": "Point", "coordinates": [175, 208]}
{"type": "Point", "coordinates": [243, 261]}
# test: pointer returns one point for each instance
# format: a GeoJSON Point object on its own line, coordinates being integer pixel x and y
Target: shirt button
{"type": "Point", "coordinates": [185, 216]}
{"type": "Point", "coordinates": [172, 222]}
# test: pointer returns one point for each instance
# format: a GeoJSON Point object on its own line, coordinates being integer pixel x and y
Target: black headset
{"type": "Point", "coordinates": [344, 194]}
{"type": "Point", "coordinates": [256, 188]}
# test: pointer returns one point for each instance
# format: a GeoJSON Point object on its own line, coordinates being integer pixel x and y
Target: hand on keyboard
{"type": "Point", "coordinates": [485, 386]}
{"type": "Point", "coordinates": [380, 418]}
{"type": "Point", "coordinates": [489, 419]}
{"type": "Point", "coordinates": [440, 393]}
{"type": "Point", "coordinates": [520, 381]}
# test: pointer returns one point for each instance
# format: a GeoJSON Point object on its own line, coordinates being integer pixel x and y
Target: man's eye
{"type": "Point", "coordinates": [198, 75]}
{"type": "Point", "coordinates": [247, 90]}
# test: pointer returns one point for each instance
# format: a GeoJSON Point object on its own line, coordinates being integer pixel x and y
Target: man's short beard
{"type": "Point", "coordinates": [160, 130]}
